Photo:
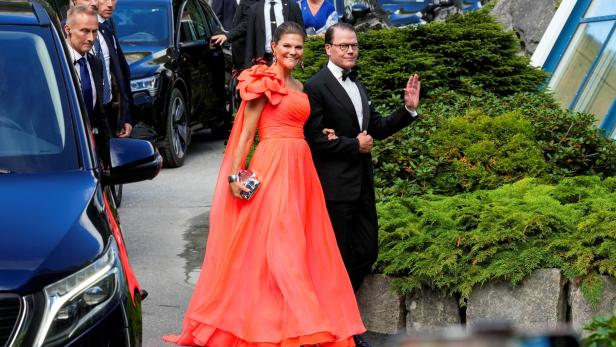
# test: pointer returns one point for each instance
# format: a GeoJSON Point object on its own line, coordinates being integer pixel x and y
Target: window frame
{"type": "Point", "coordinates": [571, 27]}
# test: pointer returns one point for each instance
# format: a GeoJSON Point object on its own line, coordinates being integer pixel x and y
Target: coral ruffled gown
{"type": "Point", "coordinates": [272, 274]}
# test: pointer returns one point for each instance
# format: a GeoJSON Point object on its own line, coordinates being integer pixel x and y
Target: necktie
{"type": "Point", "coordinates": [351, 74]}
{"type": "Point", "coordinates": [86, 86]}
{"type": "Point", "coordinates": [273, 24]}
{"type": "Point", "coordinates": [106, 80]}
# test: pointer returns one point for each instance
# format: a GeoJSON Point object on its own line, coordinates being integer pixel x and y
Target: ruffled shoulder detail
{"type": "Point", "coordinates": [259, 80]}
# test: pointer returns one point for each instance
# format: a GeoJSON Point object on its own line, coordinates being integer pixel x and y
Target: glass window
{"type": "Point", "coordinates": [211, 19]}
{"type": "Point", "coordinates": [34, 136]}
{"type": "Point", "coordinates": [600, 89]}
{"type": "Point", "coordinates": [601, 8]}
{"type": "Point", "coordinates": [578, 59]}
{"type": "Point", "coordinates": [142, 24]}
{"type": "Point", "coordinates": [193, 24]}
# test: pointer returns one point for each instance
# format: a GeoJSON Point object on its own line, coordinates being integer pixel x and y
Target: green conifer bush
{"type": "Point", "coordinates": [457, 242]}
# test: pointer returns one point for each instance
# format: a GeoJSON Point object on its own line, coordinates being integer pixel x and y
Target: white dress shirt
{"type": "Point", "coordinates": [76, 56]}
{"type": "Point", "coordinates": [351, 88]}
{"type": "Point", "coordinates": [268, 28]}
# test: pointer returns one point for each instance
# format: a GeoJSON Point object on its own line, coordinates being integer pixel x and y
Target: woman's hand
{"type": "Point", "coordinates": [236, 189]}
{"type": "Point", "coordinates": [331, 134]}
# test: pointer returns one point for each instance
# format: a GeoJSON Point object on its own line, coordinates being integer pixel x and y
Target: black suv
{"type": "Point", "coordinates": [179, 80]}
{"type": "Point", "coordinates": [65, 278]}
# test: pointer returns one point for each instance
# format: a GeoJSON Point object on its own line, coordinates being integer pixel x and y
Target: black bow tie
{"type": "Point", "coordinates": [352, 74]}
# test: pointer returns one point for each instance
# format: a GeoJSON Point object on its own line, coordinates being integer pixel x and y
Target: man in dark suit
{"type": "Point", "coordinates": [81, 28]}
{"type": "Point", "coordinates": [225, 11]}
{"type": "Point", "coordinates": [236, 34]}
{"type": "Point", "coordinates": [340, 102]}
{"type": "Point", "coordinates": [118, 96]}
{"type": "Point", "coordinates": [264, 17]}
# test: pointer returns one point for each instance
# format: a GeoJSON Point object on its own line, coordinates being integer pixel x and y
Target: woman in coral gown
{"type": "Point", "coordinates": [272, 274]}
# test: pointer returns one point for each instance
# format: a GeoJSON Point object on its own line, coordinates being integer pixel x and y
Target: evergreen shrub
{"type": "Point", "coordinates": [602, 332]}
{"type": "Point", "coordinates": [465, 53]}
{"type": "Point", "coordinates": [438, 153]}
{"type": "Point", "coordinates": [456, 242]}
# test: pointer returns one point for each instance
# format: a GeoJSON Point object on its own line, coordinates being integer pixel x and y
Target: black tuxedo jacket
{"type": "Point", "coordinates": [120, 72]}
{"type": "Point", "coordinates": [339, 164]}
{"type": "Point", "coordinates": [225, 11]}
{"type": "Point", "coordinates": [255, 35]}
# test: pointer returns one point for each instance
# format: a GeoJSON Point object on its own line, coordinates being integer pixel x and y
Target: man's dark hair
{"type": "Point", "coordinates": [329, 34]}
{"type": "Point", "coordinates": [288, 28]}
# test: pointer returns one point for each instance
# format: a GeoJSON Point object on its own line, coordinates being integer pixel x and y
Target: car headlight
{"type": "Point", "coordinates": [149, 84]}
{"type": "Point", "coordinates": [80, 298]}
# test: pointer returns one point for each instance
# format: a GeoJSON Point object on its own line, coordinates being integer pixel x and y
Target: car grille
{"type": "Point", "coordinates": [9, 314]}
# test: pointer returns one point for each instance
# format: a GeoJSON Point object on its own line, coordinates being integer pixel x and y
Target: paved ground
{"type": "Point", "coordinates": [165, 223]}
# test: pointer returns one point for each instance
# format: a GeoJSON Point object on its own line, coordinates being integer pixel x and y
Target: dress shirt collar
{"type": "Point", "coordinates": [100, 19]}
{"type": "Point", "coordinates": [335, 70]}
{"type": "Point", "coordinates": [76, 56]}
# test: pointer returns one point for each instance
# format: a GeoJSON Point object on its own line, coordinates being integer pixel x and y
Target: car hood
{"type": "Point", "coordinates": [47, 228]}
{"type": "Point", "coordinates": [144, 61]}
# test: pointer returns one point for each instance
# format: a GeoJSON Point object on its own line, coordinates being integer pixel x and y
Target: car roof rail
{"type": "Point", "coordinates": [41, 13]}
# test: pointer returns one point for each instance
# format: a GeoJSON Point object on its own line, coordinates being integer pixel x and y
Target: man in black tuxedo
{"type": "Point", "coordinates": [81, 28]}
{"type": "Point", "coordinates": [263, 19]}
{"type": "Point", "coordinates": [225, 11]}
{"type": "Point", "coordinates": [118, 97]}
{"type": "Point", "coordinates": [340, 102]}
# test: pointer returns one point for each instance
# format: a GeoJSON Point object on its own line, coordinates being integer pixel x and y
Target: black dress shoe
{"type": "Point", "coordinates": [360, 342]}
{"type": "Point", "coordinates": [144, 294]}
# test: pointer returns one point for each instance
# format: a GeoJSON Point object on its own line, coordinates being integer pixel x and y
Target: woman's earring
{"type": "Point", "coordinates": [274, 60]}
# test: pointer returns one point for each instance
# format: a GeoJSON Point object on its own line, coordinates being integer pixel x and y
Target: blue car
{"type": "Point", "coordinates": [65, 279]}
{"type": "Point", "coordinates": [410, 12]}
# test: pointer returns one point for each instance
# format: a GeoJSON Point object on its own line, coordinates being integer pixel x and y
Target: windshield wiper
{"type": "Point", "coordinates": [5, 171]}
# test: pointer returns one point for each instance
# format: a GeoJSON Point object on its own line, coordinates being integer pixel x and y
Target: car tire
{"type": "Point", "coordinates": [177, 131]}
{"type": "Point", "coordinates": [116, 191]}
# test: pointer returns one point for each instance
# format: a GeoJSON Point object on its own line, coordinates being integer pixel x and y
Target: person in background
{"type": "Point", "coordinates": [81, 29]}
{"type": "Point", "coordinates": [236, 35]}
{"type": "Point", "coordinates": [318, 15]}
{"type": "Point", "coordinates": [225, 11]}
{"type": "Point", "coordinates": [117, 77]}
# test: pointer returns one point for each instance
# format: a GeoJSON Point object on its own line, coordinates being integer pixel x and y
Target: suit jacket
{"type": "Point", "coordinates": [225, 11]}
{"type": "Point", "coordinates": [120, 72]}
{"type": "Point", "coordinates": [339, 164]}
{"type": "Point", "coordinates": [99, 119]}
{"type": "Point", "coordinates": [255, 34]}
{"type": "Point", "coordinates": [237, 33]}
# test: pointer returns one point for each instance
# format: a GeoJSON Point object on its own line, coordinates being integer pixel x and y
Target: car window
{"type": "Point", "coordinates": [142, 24]}
{"type": "Point", "coordinates": [193, 24]}
{"type": "Point", "coordinates": [35, 126]}
{"type": "Point", "coordinates": [211, 19]}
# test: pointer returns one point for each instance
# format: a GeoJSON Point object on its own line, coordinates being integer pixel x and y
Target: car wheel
{"type": "Point", "coordinates": [177, 132]}
{"type": "Point", "coordinates": [116, 191]}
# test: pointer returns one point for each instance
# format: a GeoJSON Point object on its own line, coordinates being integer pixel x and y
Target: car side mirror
{"type": "Point", "coordinates": [132, 160]}
{"type": "Point", "coordinates": [359, 10]}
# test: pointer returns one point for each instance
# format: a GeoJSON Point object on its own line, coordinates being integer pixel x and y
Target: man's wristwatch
{"type": "Point", "coordinates": [232, 178]}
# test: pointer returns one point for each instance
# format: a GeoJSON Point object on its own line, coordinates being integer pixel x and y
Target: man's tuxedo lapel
{"type": "Point", "coordinates": [339, 93]}
{"type": "Point", "coordinates": [364, 105]}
